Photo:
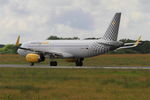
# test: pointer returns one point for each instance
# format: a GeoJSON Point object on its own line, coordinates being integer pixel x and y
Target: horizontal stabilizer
{"type": "Point", "coordinates": [131, 45]}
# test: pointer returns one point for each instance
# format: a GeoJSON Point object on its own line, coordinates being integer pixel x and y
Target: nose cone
{"type": "Point", "coordinates": [22, 50]}
{"type": "Point", "coordinates": [19, 51]}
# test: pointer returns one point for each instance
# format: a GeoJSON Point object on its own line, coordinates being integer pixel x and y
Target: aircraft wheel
{"type": "Point", "coordinates": [32, 64]}
{"type": "Point", "coordinates": [53, 63]}
{"type": "Point", "coordinates": [79, 62]}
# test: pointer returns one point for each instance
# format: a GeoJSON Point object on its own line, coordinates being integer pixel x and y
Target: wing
{"type": "Point", "coordinates": [130, 45]}
{"type": "Point", "coordinates": [49, 54]}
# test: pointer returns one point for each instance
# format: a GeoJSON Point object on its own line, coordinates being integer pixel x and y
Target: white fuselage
{"type": "Point", "coordinates": [75, 48]}
{"type": "Point", "coordinates": [69, 48]}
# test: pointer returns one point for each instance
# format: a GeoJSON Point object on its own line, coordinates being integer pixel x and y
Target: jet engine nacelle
{"type": "Point", "coordinates": [34, 58]}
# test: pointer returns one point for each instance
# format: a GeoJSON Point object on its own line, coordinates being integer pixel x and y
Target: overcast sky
{"type": "Point", "coordinates": [38, 19]}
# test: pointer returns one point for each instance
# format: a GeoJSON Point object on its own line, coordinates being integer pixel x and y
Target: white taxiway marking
{"type": "Point", "coordinates": [83, 67]}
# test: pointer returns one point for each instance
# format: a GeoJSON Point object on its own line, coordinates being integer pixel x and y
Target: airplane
{"type": "Point", "coordinates": [38, 51]}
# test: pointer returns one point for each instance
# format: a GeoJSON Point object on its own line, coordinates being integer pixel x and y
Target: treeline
{"type": "Point", "coordinates": [60, 38]}
{"type": "Point", "coordinates": [143, 48]}
{"type": "Point", "coordinates": [69, 38]}
{"type": "Point", "coordinates": [8, 49]}
{"type": "Point", "coordinates": [1, 45]}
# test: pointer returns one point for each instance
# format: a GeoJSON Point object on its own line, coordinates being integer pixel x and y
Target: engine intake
{"type": "Point", "coordinates": [34, 58]}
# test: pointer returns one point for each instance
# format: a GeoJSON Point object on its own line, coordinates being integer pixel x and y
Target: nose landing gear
{"type": "Point", "coordinates": [32, 64]}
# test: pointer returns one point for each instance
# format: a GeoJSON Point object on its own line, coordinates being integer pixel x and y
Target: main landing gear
{"type": "Point", "coordinates": [79, 61]}
{"type": "Point", "coordinates": [53, 63]}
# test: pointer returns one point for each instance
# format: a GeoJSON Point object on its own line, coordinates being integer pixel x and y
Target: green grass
{"type": "Point", "coordinates": [74, 84]}
{"type": "Point", "coordinates": [77, 84]}
{"type": "Point", "coordinates": [102, 60]}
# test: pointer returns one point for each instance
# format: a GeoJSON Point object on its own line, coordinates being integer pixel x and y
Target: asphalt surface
{"type": "Point", "coordinates": [83, 67]}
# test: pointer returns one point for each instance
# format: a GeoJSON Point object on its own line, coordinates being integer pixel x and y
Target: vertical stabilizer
{"type": "Point", "coordinates": [112, 31]}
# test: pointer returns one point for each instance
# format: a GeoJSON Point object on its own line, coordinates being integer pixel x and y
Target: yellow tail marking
{"type": "Point", "coordinates": [18, 41]}
{"type": "Point", "coordinates": [138, 41]}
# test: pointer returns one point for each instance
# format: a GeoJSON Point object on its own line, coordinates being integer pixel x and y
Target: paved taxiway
{"type": "Point", "coordinates": [83, 67]}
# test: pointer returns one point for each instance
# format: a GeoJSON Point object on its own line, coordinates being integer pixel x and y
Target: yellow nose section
{"type": "Point", "coordinates": [32, 58]}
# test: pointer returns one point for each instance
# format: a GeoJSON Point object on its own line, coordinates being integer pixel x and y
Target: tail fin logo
{"type": "Point", "coordinates": [113, 23]}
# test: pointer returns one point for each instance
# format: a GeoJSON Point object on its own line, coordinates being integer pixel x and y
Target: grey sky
{"type": "Point", "coordinates": [38, 19]}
